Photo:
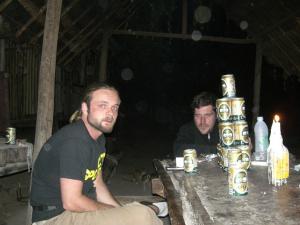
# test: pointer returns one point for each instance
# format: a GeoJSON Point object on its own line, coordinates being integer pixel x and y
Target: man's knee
{"type": "Point", "coordinates": [143, 213]}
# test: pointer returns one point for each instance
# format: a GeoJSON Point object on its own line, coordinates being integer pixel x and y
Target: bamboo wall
{"type": "Point", "coordinates": [22, 65]}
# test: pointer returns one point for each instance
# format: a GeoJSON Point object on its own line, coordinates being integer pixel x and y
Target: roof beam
{"type": "Point", "coordinates": [64, 20]}
{"type": "Point", "coordinates": [4, 5]}
{"type": "Point", "coordinates": [30, 21]}
{"type": "Point", "coordinates": [32, 9]}
{"type": "Point", "coordinates": [184, 36]}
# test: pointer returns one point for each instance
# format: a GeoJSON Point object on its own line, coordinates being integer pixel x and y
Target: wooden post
{"type": "Point", "coordinates": [44, 120]}
{"type": "Point", "coordinates": [47, 76]}
{"type": "Point", "coordinates": [103, 59]}
{"type": "Point", "coordinates": [257, 83]}
{"type": "Point", "coordinates": [184, 17]}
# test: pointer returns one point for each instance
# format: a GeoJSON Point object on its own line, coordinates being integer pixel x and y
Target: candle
{"type": "Point", "coordinates": [275, 129]}
{"type": "Point", "coordinates": [278, 156]}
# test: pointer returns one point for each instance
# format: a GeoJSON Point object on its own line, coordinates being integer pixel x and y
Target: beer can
{"type": "Point", "coordinates": [228, 85]}
{"type": "Point", "coordinates": [223, 106]}
{"type": "Point", "coordinates": [238, 109]}
{"type": "Point", "coordinates": [226, 134]}
{"type": "Point", "coordinates": [234, 157]}
{"type": "Point", "coordinates": [239, 157]}
{"type": "Point", "coordinates": [222, 157]}
{"type": "Point", "coordinates": [237, 181]}
{"type": "Point", "coordinates": [241, 133]}
{"type": "Point", "coordinates": [190, 160]}
{"type": "Point", "coordinates": [246, 156]}
{"type": "Point", "coordinates": [11, 135]}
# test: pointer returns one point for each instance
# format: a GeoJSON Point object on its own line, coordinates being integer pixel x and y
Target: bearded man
{"type": "Point", "coordinates": [67, 184]}
{"type": "Point", "coordinates": [201, 133]}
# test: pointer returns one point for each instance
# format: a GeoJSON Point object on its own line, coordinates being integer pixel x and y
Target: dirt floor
{"type": "Point", "coordinates": [136, 149]}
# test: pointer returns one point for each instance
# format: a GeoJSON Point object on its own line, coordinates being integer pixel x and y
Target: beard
{"type": "Point", "coordinates": [100, 126]}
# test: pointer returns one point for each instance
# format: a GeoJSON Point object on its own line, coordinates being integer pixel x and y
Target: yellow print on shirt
{"type": "Point", "coordinates": [92, 174]}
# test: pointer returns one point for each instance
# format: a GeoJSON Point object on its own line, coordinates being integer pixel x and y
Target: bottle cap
{"type": "Point", "coordinates": [260, 118]}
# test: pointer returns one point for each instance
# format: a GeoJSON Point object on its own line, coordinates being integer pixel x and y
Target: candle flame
{"type": "Point", "coordinates": [276, 118]}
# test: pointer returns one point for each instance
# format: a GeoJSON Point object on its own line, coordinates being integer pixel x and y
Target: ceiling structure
{"type": "Point", "coordinates": [273, 23]}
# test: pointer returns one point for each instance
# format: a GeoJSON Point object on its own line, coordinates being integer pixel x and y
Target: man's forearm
{"type": "Point", "coordinates": [83, 204]}
{"type": "Point", "coordinates": [103, 194]}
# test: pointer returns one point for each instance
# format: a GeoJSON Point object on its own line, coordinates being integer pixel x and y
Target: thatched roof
{"type": "Point", "coordinates": [273, 23]}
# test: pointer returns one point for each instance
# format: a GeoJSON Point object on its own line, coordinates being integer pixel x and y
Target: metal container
{"type": "Point", "coordinates": [222, 157]}
{"type": "Point", "coordinates": [226, 134]}
{"type": "Point", "coordinates": [246, 156]}
{"type": "Point", "coordinates": [190, 160]}
{"type": "Point", "coordinates": [241, 133]}
{"type": "Point", "coordinates": [237, 181]}
{"type": "Point", "coordinates": [11, 135]}
{"type": "Point", "coordinates": [228, 85]}
{"type": "Point", "coordinates": [238, 109]}
{"type": "Point", "coordinates": [223, 106]}
{"type": "Point", "coordinates": [234, 156]}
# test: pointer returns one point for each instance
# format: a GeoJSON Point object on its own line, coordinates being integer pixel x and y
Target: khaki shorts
{"type": "Point", "coordinates": [130, 214]}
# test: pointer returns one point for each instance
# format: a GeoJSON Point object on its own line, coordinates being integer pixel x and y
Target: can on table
{"type": "Point", "coordinates": [223, 106]}
{"type": "Point", "coordinates": [228, 85]}
{"type": "Point", "coordinates": [11, 135]}
{"type": "Point", "coordinates": [238, 109]}
{"type": "Point", "coordinates": [190, 160]}
{"type": "Point", "coordinates": [234, 157]}
{"type": "Point", "coordinates": [241, 133]}
{"type": "Point", "coordinates": [222, 155]}
{"type": "Point", "coordinates": [226, 134]}
{"type": "Point", "coordinates": [246, 156]}
{"type": "Point", "coordinates": [237, 181]}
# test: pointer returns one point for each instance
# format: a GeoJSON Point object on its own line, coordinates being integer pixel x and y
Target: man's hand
{"type": "Point", "coordinates": [74, 200]}
{"type": "Point", "coordinates": [103, 194]}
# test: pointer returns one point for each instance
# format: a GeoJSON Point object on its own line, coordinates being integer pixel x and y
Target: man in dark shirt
{"type": "Point", "coordinates": [67, 184]}
{"type": "Point", "coordinates": [201, 133]}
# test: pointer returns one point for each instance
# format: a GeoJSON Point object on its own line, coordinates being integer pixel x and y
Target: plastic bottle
{"type": "Point", "coordinates": [261, 139]}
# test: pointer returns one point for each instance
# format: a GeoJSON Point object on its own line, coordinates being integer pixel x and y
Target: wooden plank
{"type": "Point", "coordinates": [184, 24]}
{"type": "Point", "coordinates": [158, 188]}
{"type": "Point", "coordinates": [184, 37]}
{"type": "Point", "coordinates": [257, 83]}
{"type": "Point", "coordinates": [173, 198]}
{"type": "Point", "coordinates": [208, 189]}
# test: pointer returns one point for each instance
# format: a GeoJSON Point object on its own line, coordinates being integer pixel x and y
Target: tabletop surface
{"type": "Point", "coordinates": [203, 198]}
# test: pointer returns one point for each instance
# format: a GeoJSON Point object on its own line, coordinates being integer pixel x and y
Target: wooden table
{"type": "Point", "coordinates": [15, 158]}
{"type": "Point", "coordinates": [203, 198]}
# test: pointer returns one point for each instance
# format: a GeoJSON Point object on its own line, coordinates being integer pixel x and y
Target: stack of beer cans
{"type": "Point", "coordinates": [233, 148]}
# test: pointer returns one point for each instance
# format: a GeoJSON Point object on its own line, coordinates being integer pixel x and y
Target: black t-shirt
{"type": "Point", "coordinates": [69, 153]}
{"type": "Point", "coordinates": [189, 137]}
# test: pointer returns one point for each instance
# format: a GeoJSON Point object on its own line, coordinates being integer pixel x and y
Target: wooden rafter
{"type": "Point", "coordinates": [80, 37]}
{"type": "Point", "coordinates": [4, 5]}
{"type": "Point", "coordinates": [32, 9]}
{"type": "Point", "coordinates": [184, 36]}
{"type": "Point", "coordinates": [69, 42]}
{"type": "Point", "coordinates": [30, 21]}
{"type": "Point", "coordinates": [129, 8]}
{"type": "Point", "coordinates": [63, 15]}
{"type": "Point", "coordinates": [86, 11]}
